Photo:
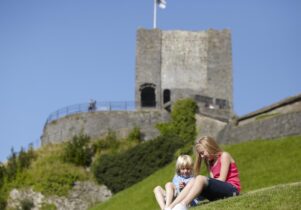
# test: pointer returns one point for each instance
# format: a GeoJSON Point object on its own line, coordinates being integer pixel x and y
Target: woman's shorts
{"type": "Point", "coordinates": [217, 189]}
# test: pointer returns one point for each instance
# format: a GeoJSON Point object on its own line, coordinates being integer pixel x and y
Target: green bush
{"type": "Point", "coordinates": [11, 166]}
{"type": "Point", "coordinates": [77, 151]}
{"type": "Point", "coordinates": [135, 135]}
{"type": "Point", "coordinates": [123, 170]}
{"type": "Point", "coordinates": [2, 174]}
{"type": "Point", "coordinates": [112, 145]}
{"type": "Point", "coordinates": [26, 157]}
{"type": "Point", "coordinates": [50, 175]}
{"type": "Point", "coordinates": [2, 202]}
{"type": "Point", "coordinates": [16, 163]}
{"type": "Point", "coordinates": [109, 143]}
{"type": "Point", "coordinates": [182, 121]}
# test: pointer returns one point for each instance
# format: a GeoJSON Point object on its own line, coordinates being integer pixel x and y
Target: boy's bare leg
{"type": "Point", "coordinates": [159, 194]}
{"type": "Point", "coordinates": [183, 194]}
{"type": "Point", "coordinates": [191, 191]}
{"type": "Point", "coordinates": [170, 189]}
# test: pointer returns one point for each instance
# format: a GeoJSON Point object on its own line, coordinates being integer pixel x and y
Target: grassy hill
{"type": "Point", "coordinates": [262, 164]}
{"type": "Point", "coordinates": [279, 197]}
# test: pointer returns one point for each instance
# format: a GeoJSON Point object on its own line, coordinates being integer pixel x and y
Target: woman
{"type": "Point", "coordinates": [224, 177]}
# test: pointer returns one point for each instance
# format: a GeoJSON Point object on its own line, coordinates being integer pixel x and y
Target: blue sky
{"type": "Point", "coordinates": [57, 53]}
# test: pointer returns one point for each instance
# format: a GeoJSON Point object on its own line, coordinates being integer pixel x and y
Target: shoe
{"type": "Point", "coordinates": [180, 206]}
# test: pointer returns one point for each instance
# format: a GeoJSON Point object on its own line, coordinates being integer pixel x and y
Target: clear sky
{"type": "Point", "coordinates": [55, 53]}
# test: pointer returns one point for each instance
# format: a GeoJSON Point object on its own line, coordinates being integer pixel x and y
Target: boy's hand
{"type": "Point", "coordinates": [182, 185]}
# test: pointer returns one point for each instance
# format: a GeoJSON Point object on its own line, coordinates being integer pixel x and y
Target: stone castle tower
{"type": "Point", "coordinates": [171, 65]}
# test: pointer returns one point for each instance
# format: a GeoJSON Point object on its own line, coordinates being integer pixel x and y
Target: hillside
{"type": "Point", "coordinates": [262, 163]}
{"type": "Point", "coordinates": [279, 197]}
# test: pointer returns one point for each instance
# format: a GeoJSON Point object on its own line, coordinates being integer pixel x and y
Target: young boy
{"type": "Point", "coordinates": [184, 173]}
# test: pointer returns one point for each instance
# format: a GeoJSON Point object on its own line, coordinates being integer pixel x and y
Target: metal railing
{"type": "Point", "coordinates": [91, 107]}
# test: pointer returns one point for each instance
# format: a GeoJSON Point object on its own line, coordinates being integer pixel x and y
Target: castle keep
{"type": "Point", "coordinates": [171, 65]}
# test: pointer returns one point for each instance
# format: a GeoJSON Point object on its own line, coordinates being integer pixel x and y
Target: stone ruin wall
{"type": "Point", "coordinates": [97, 125]}
{"type": "Point", "coordinates": [284, 120]}
{"type": "Point", "coordinates": [279, 121]}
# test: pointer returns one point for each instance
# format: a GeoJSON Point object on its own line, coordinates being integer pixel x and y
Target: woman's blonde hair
{"type": "Point", "coordinates": [184, 161]}
{"type": "Point", "coordinates": [206, 143]}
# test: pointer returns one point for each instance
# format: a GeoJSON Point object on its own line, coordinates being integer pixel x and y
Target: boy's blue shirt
{"type": "Point", "coordinates": [178, 179]}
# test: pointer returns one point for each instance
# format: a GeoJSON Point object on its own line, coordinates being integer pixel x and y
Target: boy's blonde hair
{"type": "Point", "coordinates": [184, 161]}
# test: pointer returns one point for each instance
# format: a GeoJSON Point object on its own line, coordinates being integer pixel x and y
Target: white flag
{"type": "Point", "coordinates": [161, 4]}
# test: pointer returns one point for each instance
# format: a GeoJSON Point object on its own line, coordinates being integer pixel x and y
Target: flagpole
{"type": "Point", "coordinates": [155, 14]}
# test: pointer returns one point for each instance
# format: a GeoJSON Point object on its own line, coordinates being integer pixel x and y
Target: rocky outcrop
{"type": "Point", "coordinates": [82, 196]}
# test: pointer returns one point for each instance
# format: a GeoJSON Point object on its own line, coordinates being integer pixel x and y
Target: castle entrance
{"type": "Point", "coordinates": [148, 96]}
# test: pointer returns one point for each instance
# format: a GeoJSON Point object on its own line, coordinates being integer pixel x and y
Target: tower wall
{"type": "Point", "coordinates": [148, 63]}
{"type": "Point", "coordinates": [186, 64]}
{"type": "Point", "coordinates": [184, 60]}
{"type": "Point", "coordinates": [220, 65]}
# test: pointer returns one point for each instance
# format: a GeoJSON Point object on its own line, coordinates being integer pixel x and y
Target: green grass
{"type": "Point", "coordinates": [265, 116]}
{"type": "Point", "coordinates": [261, 164]}
{"type": "Point", "coordinates": [49, 174]}
{"type": "Point", "coordinates": [279, 197]}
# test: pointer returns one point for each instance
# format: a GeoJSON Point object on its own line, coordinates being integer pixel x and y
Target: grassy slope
{"type": "Point", "coordinates": [261, 164]}
{"type": "Point", "coordinates": [279, 197]}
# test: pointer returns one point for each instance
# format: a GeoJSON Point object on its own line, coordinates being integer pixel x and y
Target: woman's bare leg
{"type": "Point", "coordinates": [188, 194]}
{"type": "Point", "coordinates": [170, 189]}
{"type": "Point", "coordinates": [183, 194]}
{"type": "Point", "coordinates": [159, 194]}
{"type": "Point", "coordinates": [200, 183]}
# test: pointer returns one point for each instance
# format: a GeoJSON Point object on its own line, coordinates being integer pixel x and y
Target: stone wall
{"type": "Point", "coordinates": [276, 120]}
{"type": "Point", "coordinates": [97, 124]}
{"type": "Point", "coordinates": [185, 64]}
{"type": "Point", "coordinates": [207, 126]}
{"type": "Point", "coordinates": [219, 70]}
{"type": "Point", "coordinates": [148, 62]}
{"type": "Point", "coordinates": [82, 196]}
{"type": "Point", "coordinates": [266, 128]}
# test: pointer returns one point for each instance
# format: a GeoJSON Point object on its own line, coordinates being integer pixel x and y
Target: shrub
{"type": "Point", "coordinates": [182, 121]}
{"type": "Point", "coordinates": [12, 166]}
{"type": "Point", "coordinates": [17, 162]}
{"type": "Point", "coordinates": [2, 202]}
{"type": "Point", "coordinates": [135, 135]}
{"type": "Point", "coordinates": [2, 174]}
{"type": "Point", "coordinates": [55, 180]}
{"type": "Point", "coordinates": [123, 170]}
{"type": "Point", "coordinates": [48, 174]}
{"type": "Point", "coordinates": [112, 145]}
{"type": "Point", "coordinates": [77, 151]}
{"type": "Point", "coordinates": [110, 142]}
{"type": "Point", "coordinates": [25, 158]}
